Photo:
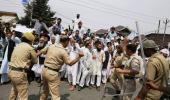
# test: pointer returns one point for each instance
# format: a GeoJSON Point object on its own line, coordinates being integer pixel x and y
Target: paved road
{"type": "Point", "coordinates": [85, 94]}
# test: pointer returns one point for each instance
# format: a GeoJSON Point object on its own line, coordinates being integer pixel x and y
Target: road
{"type": "Point", "coordinates": [85, 94]}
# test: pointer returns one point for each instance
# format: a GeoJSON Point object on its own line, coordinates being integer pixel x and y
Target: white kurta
{"type": "Point", "coordinates": [72, 70]}
{"type": "Point", "coordinates": [98, 62]}
{"type": "Point", "coordinates": [4, 67]}
{"type": "Point", "coordinates": [87, 69]}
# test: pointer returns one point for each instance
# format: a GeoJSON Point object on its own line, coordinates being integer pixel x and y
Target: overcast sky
{"type": "Point", "coordinates": [98, 14]}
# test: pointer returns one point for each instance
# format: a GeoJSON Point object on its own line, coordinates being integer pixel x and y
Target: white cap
{"type": "Point", "coordinates": [112, 38]}
{"type": "Point", "coordinates": [14, 24]}
{"type": "Point", "coordinates": [165, 51]}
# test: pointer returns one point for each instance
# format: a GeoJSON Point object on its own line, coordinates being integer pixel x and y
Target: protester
{"type": "Point", "coordinates": [39, 25]}
{"type": "Point", "coordinates": [73, 70]}
{"type": "Point", "coordinates": [98, 58]}
{"type": "Point", "coordinates": [87, 68]}
{"type": "Point", "coordinates": [9, 47]}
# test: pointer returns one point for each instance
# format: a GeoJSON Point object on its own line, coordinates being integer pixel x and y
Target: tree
{"type": "Point", "coordinates": [37, 9]}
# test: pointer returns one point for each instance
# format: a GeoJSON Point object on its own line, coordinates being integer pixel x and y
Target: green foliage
{"type": "Point", "coordinates": [37, 9]}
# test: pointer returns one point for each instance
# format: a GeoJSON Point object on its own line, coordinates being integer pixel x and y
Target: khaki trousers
{"type": "Point", "coordinates": [51, 82]}
{"type": "Point", "coordinates": [117, 80]}
{"type": "Point", "coordinates": [130, 87]}
{"type": "Point", "coordinates": [19, 85]}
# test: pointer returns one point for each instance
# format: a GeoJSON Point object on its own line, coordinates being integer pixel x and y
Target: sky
{"type": "Point", "coordinates": [103, 14]}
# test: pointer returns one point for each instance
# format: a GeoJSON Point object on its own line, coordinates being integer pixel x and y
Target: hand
{"type": "Point", "coordinates": [118, 70]}
{"type": "Point", "coordinates": [137, 98]}
{"type": "Point", "coordinates": [152, 85]}
{"type": "Point", "coordinates": [81, 54]}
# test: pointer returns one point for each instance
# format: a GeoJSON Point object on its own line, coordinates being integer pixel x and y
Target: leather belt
{"type": "Point", "coordinates": [129, 77]}
{"type": "Point", "coordinates": [56, 70]}
{"type": "Point", "coordinates": [19, 69]}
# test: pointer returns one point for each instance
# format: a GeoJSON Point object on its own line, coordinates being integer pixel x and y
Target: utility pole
{"type": "Point", "coordinates": [165, 22]}
{"type": "Point", "coordinates": [159, 26]}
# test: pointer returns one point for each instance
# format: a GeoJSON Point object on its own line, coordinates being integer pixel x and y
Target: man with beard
{"type": "Point", "coordinates": [41, 58]}
{"type": "Point", "coordinates": [98, 59]}
{"type": "Point", "coordinates": [73, 70]}
{"type": "Point", "coordinates": [80, 29]}
{"type": "Point", "coordinates": [9, 47]}
{"type": "Point", "coordinates": [106, 69]}
{"type": "Point", "coordinates": [87, 65]}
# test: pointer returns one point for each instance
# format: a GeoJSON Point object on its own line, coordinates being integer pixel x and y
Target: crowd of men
{"type": "Point", "coordinates": [83, 59]}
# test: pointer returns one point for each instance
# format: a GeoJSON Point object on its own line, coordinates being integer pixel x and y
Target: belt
{"type": "Point", "coordinates": [19, 69]}
{"type": "Point", "coordinates": [56, 70]}
{"type": "Point", "coordinates": [129, 77]}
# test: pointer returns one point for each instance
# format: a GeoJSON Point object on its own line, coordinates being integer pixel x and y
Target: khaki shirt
{"type": "Point", "coordinates": [133, 64]}
{"type": "Point", "coordinates": [23, 56]}
{"type": "Point", "coordinates": [119, 60]}
{"type": "Point", "coordinates": [155, 73]}
{"type": "Point", "coordinates": [56, 56]}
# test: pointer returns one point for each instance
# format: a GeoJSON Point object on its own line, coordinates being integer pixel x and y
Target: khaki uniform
{"type": "Point", "coordinates": [22, 58]}
{"type": "Point", "coordinates": [155, 72]}
{"type": "Point", "coordinates": [130, 82]}
{"type": "Point", "coordinates": [117, 79]}
{"type": "Point", "coordinates": [56, 56]}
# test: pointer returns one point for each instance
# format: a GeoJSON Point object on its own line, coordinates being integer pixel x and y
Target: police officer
{"type": "Point", "coordinates": [132, 68]}
{"type": "Point", "coordinates": [157, 71]}
{"type": "Point", "coordinates": [56, 56]}
{"type": "Point", "coordinates": [22, 58]}
{"type": "Point", "coordinates": [116, 78]}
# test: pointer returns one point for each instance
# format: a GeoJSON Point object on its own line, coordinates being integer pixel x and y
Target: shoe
{"type": "Point", "coordinates": [5, 83]}
{"type": "Point", "coordinates": [93, 85]}
{"type": "Point", "coordinates": [117, 92]}
{"type": "Point", "coordinates": [90, 87]}
{"type": "Point", "coordinates": [79, 88]}
{"type": "Point", "coordinates": [98, 88]}
{"type": "Point", "coordinates": [38, 80]}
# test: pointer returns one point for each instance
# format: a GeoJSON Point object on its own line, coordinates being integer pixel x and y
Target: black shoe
{"type": "Point", "coordinates": [79, 88]}
{"type": "Point", "coordinates": [89, 87]}
{"type": "Point", "coordinates": [5, 83]}
{"type": "Point", "coordinates": [117, 92]}
{"type": "Point", "coordinates": [93, 86]}
{"type": "Point", "coordinates": [38, 80]}
{"type": "Point", "coordinates": [98, 88]}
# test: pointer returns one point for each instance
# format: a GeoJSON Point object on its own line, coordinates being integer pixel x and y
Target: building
{"type": "Point", "coordinates": [124, 31]}
{"type": "Point", "coordinates": [101, 32]}
{"type": "Point", "coordinates": [10, 17]}
{"type": "Point", "coordinates": [161, 39]}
